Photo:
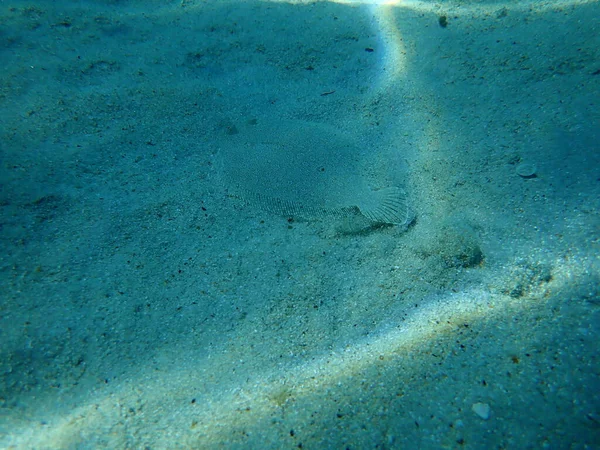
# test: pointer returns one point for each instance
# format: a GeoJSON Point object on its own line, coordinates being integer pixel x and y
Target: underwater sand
{"type": "Point", "coordinates": [143, 307]}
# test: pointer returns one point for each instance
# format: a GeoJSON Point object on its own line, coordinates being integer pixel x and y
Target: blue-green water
{"type": "Point", "coordinates": [147, 303]}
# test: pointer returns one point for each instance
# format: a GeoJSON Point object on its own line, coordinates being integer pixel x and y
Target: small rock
{"type": "Point", "coordinates": [526, 170]}
{"type": "Point", "coordinates": [482, 410]}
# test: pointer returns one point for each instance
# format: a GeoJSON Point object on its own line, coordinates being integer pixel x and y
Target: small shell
{"type": "Point", "coordinates": [483, 410]}
{"type": "Point", "coordinates": [526, 170]}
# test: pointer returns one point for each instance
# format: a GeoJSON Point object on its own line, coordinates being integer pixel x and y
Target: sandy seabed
{"type": "Point", "coordinates": [142, 307]}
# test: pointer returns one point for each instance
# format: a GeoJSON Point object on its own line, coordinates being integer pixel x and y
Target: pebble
{"type": "Point", "coordinates": [526, 170]}
{"type": "Point", "coordinates": [482, 410]}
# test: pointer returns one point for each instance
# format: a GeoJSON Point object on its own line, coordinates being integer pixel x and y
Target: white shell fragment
{"type": "Point", "coordinates": [483, 410]}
